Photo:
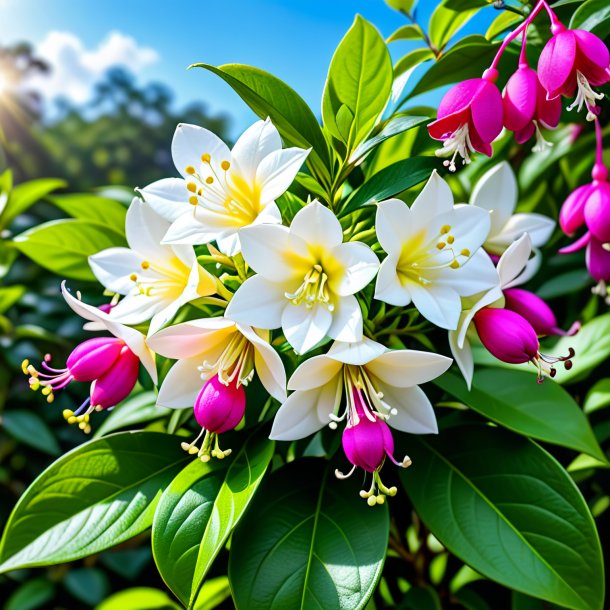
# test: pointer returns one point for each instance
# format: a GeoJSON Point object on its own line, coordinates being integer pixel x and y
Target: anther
{"type": "Point", "coordinates": [190, 170]}
{"type": "Point", "coordinates": [465, 252]}
{"type": "Point", "coordinates": [206, 157]}
{"type": "Point", "coordinates": [145, 264]}
{"type": "Point", "coordinates": [454, 264]}
{"type": "Point", "coordinates": [225, 165]}
{"type": "Point", "coordinates": [193, 200]}
{"type": "Point", "coordinates": [133, 277]}
{"type": "Point", "coordinates": [192, 187]}
{"type": "Point", "coordinates": [441, 245]}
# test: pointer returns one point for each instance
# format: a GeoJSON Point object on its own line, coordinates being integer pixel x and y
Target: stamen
{"type": "Point", "coordinates": [457, 143]}
{"type": "Point", "coordinates": [342, 476]}
{"type": "Point", "coordinates": [192, 187]}
{"type": "Point", "coordinates": [541, 144]}
{"type": "Point", "coordinates": [189, 170]}
{"type": "Point", "coordinates": [313, 290]}
{"type": "Point", "coordinates": [585, 96]}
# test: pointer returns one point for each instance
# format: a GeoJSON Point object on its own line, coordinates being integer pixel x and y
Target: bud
{"type": "Point", "coordinates": [220, 407]}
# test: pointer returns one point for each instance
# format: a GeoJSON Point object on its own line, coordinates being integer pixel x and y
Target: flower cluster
{"type": "Point", "coordinates": [222, 287]}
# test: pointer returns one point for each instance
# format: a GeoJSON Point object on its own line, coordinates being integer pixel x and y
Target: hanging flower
{"type": "Point", "coordinates": [111, 364]}
{"type": "Point", "coordinates": [432, 253]}
{"type": "Point", "coordinates": [156, 280]}
{"type": "Point", "coordinates": [223, 190]}
{"type": "Point", "coordinates": [307, 279]}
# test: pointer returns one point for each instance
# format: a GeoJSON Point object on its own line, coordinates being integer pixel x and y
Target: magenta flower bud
{"type": "Point", "coordinates": [469, 119]}
{"type": "Point", "coordinates": [597, 210]}
{"type": "Point", "coordinates": [367, 443]}
{"type": "Point", "coordinates": [506, 335]}
{"type": "Point", "coordinates": [598, 260]}
{"type": "Point", "coordinates": [519, 99]}
{"type": "Point", "coordinates": [219, 407]}
{"type": "Point", "coordinates": [572, 213]}
{"type": "Point", "coordinates": [94, 357]}
{"type": "Point", "coordinates": [536, 312]}
{"type": "Point", "coordinates": [117, 382]}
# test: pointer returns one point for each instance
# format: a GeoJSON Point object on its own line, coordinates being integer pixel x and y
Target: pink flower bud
{"type": "Point", "coordinates": [536, 312]}
{"type": "Point", "coordinates": [597, 210]}
{"type": "Point", "coordinates": [220, 407]}
{"type": "Point", "coordinates": [598, 260]}
{"type": "Point", "coordinates": [94, 357]}
{"type": "Point", "coordinates": [367, 443]}
{"type": "Point", "coordinates": [117, 382]}
{"type": "Point", "coordinates": [572, 213]}
{"type": "Point", "coordinates": [519, 99]}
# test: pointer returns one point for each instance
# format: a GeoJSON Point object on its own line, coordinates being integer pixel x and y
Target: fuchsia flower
{"type": "Point", "coordinates": [469, 119]}
{"type": "Point", "coordinates": [572, 62]}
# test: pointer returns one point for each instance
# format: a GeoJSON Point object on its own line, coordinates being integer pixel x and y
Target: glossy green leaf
{"type": "Point", "coordinates": [563, 284]}
{"type": "Point", "coordinates": [31, 429]}
{"type": "Point", "coordinates": [268, 96]}
{"type": "Point", "coordinates": [359, 84]}
{"type": "Point", "coordinates": [88, 585]}
{"type": "Point", "coordinates": [407, 32]}
{"type": "Point", "coordinates": [92, 207]}
{"type": "Point", "coordinates": [404, 6]}
{"type": "Point", "coordinates": [308, 541]}
{"type": "Point", "coordinates": [63, 246]}
{"type": "Point", "coordinates": [412, 59]}
{"type": "Point", "coordinates": [31, 594]}
{"type": "Point", "coordinates": [514, 400]}
{"type": "Point", "coordinates": [504, 21]}
{"type": "Point", "coordinates": [445, 23]}
{"type": "Point", "coordinates": [505, 506]}
{"type": "Point", "coordinates": [25, 195]}
{"type": "Point", "coordinates": [465, 5]}
{"type": "Point", "coordinates": [421, 598]}
{"type": "Point", "coordinates": [391, 181]}
{"type": "Point", "coordinates": [98, 495]}
{"type": "Point", "coordinates": [139, 598]}
{"type": "Point", "coordinates": [598, 396]}
{"type": "Point", "coordinates": [594, 16]}
{"type": "Point", "coordinates": [525, 602]}
{"type": "Point", "coordinates": [136, 410]}
{"type": "Point", "coordinates": [213, 592]}
{"type": "Point", "coordinates": [198, 512]}
{"type": "Point", "coordinates": [7, 258]}
{"type": "Point", "coordinates": [9, 295]}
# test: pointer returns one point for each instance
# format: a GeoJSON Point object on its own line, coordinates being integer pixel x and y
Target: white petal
{"type": "Point", "coordinates": [314, 373]}
{"type": "Point", "coordinates": [259, 303]}
{"type": "Point", "coordinates": [305, 327]}
{"type": "Point", "coordinates": [538, 227]}
{"type": "Point", "coordinates": [393, 225]}
{"type": "Point", "coordinates": [496, 192]}
{"type": "Point", "coordinates": [415, 413]}
{"type": "Point", "coordinates": [470, 226]}
{"type": "Point", "coordinates": [191, 142]}
{"type": "Point", "coordinates": [145, 229]}
{"type": "Point", "coordinates": [359, 264]}
{"type": "Point", "coordinates": [486, 299]}
{"type": "Point", "coordinates": [435, 199]}
{"type": "Point", "coordinates": [168, 197]}
{"type": "Point", "coordinates": [406, 368]}
{"type": "Point", "coordinates": [346, 320]}
{"type": "Point", "coordinates": [388, 287]}
{"type": "Point", "coordinates": [113, 268]}
{"type": "Point", "coordinates": [137, 307]}
{"type": "Point", "coordinates": [462, 356]}
{"type": "Point", "coordinates": [229, 245]}
{"type": "Point", "coordinates": [181, 385]}
{"type": "Point", "coordinates": [163, 316]}
{"type": "Point", "coordinates": [438, 303]}
{"type": "Point", "coordinates": [195, 338]}
{"type": "Point", "coordinates": [277, 170]}
{"type": "Point", "coordinates": [274, 253]}
{"type": "Point", "coordinates": [357, 353]}
{"type": "Point", "coordinates": [200, 226]}
{"type": "Point", "coordinates": [513, 261]}
{"type": "Point", "coordinates": [529, 271]}
{"type": "Point", "coordinates": [478, 274]}
{"type": "Point", "coordinates": [269, 215]}
{"type": "Point", "coordinates": [258, 141]}
{"type": "Point", "coordinates": [317, 226]}
{"type": "Point", "coordinates": [268, 364]}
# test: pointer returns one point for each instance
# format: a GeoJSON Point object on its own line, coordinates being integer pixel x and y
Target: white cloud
{"type": "Point", "coordinates": [75, 69]}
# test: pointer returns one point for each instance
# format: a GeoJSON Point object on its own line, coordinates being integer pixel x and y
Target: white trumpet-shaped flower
{"type": "Point", "coordinates": [433, 253]}
{"type": "Point", "coordinates": [512, 270]}
{"type": "Point", "coordinates": [497, 192]}
{"type": "Point", "coordinates": [223, 190]}
{"type": "Point", "coordinates": [386, 382]}
{"type": "Point", "coordinates": [215, 346]}
{"type": "Point", "coordinates": [155, 279]}
{"type": "Point", "coordinates": [306, 279]}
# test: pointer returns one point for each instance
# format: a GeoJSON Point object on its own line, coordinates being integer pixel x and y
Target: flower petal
{"type": "Point", "coordinates": [191, 142]}
{"type": "Point", "coordinates": [317, 226]}
{"type": "Point", "coordinates": [277, 170]}
{"type": "Point", "coordinates": [438, 303]}
{"type": "Point", "coordinates": [415, 413]}
{"type": "Point", "coordinates": [201, 226]}
{"type": "Point", "coordinates": [304, 327]}
{"type": "Point", "coordinates": [405, 368]}
{"type": "Point", "coordinates": [436, 198]}
{"type": "Point", "coordinates": [113, 268]}
{"type": "Point", "coordinates": [259, 303]}
{"type": "Point", "coordinates": [137, 307]}
{"type": "Point", "coordinates": [167, 197]}
{"type": "Point", "coordinates": [538, 227]}
{"type": "Point", "coordinates": [346, 320]}
{"type": "Point", "coordinates": [181, 385]}
{"type": "Point", "coordinates": [556, 64]}
{"type": "Point", "coordinates": [487, 298]}
{"type": "Point", "coordinates": [393, 225]}
{"type": "Point", "coordinates": [513, 261]}
{"type": "Point", "coordinates": [462, 356]}
{"type": "Point", "coordinates": [145, 229]}
{"type": "Point", "coordinates": [388, 287]}
{"type": "Point", "coordinates": [314, 372]}
{"type": "Point", "coordinates": [356, 353]}
{"type": "Point", "coordinates": [359, 264]}
{"type": "Point", "coordinates": [478, 274]}
{"type": "Point", "coordinates": [258, 141]}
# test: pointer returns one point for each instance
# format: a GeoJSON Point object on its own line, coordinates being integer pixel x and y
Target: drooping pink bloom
{"type": "Point", "coordinates": [219, 407]}
{"type": "Point", "coordinates": [511, 338]}
{"type": "Point", "coordinates": [571, 63]}
{"type": "Point", "coordinates": [469, 119]}
{"type": "Point", "coordinates": [598, 261]}
{"type": "Point", "coordinates": [107, 362]}
{"type": "Point", "coordinates": [531, 307]}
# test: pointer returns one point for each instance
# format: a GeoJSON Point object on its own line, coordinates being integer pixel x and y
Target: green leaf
{"type": "Point", "coordinates": [308, 541]}
{"type": "Point", "coordinates": [137, 409]}
{"type": "Point", "coordinates": [63, 246]}
{"type": "Point", "coordinates": [94, 497]}
{"type": "Point", "coordinates": [514, 400]}
{"type": "Point", "coordinates": [88, 585]}
{"type": "Point", "coordinates": [407, 32]}
{"type": "Point", "coordinates": [31, 594]}
{"type": "Point", "coordinates": [31, 429]}
{"type": "Point", "coordinates": [598, 396]}
{"type": "Point", "coordinates": [411, 59]}
{"type": "Point", "coordinates": [445, 23]}
{"type": "Point", "coordinates": [358, 86]}
{"type": "Point", "coordinates": [198, 512]}
{"type": "Point", "coordinates": [594, 16]}
{"type": "Point", "coordinates": [566, 283]}
{"type": "Point", "coordinates": [9, 296]}
{"type": "Point", "coordinates": [138, 598]}
{"type": "Point", "coordinates": [213, 593]}
{"type": "Point", "coordinates": [504, 506]}
{"type": "Point", "coordinates": [92, 207]}
{"type": "Point", "coordinates": [391, 181]}
{"type": "Point", "coordinates": [421, 598]}
{"type": "Point", "coordinates": [504, 21]}
{"type": "Point", "coordinates": [7, 258]}
{"type": "Point", "coordinates": [269, 97]}
{"type": "Point", "coordinates": [464, 5]}
{"type": "Point", "coordinates": [525, 602]}
{"type": "Point", "coordinates": [25, 195]}
{"type": "Point", "coordinates": [403, 6]}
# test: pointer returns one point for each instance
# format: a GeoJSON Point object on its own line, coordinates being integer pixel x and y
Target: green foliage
{"type": "Point", "coordinates": [30, 429]}
{"type": "Point", "coordinates": [97, 209]}
{"type": "Point", "coordinates": [594, 16]}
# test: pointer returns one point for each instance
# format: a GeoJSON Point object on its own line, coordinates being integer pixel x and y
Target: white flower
{"type": "Point", "coordinates": [223, 190]}
{"type": "Point", "coordinates": [155, 279]}
{"type": "Point", "coordinates": [387, 382]}
{"type": "Point", "coordinates": [512, 270]}
{"type": "Point", "coordinates": [433, 253]}
{"type": "Point", "coordinates": [306, 281]}
{"type": "Point", "coordinates": [497, 192]}
{"type": "Point", "coordinates": [215, 346]}
{"type": "Point", "coordinates": [134, 339]}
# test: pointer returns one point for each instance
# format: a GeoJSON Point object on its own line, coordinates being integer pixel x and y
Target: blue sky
{"type": "Point", "coordinates": [293, 39]}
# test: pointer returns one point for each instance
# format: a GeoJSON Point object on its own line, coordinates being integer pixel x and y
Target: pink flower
{"type": "Point", "coordinates": [535, 311]}
{"type": "Point", "coordinates": [598, 260]}
{"type": "Point", "coordinates": [469, 119]}
{"type": "Point", "coordinates": [572, 62]}
{"type": "Point", "coordinates": [526, 107]}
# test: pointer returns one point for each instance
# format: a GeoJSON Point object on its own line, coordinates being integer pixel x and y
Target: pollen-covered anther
{"type": "Point", "coordinates": [314, 289]}
{"type": "Point", "coordinates": [206, 158]}
{"type": "Point", "coordinates": [133, 277]}
{"type": "Point", "coordinates": [193, 200]}
{"type": "Point", "coordinates": [145, 264]}
{"type": "Point", "coordinates": [190, 170]}
{"type": "Point", "coordinates": [225, 165]}
{"type": "Point", "coordinates": [209, 180]}
{"type": "Point", "coordinates": [81, 420]}
{"type": "Point", "coordinates": [585, 96]}
{"type": "Point", "coordinates": [192, 187]}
